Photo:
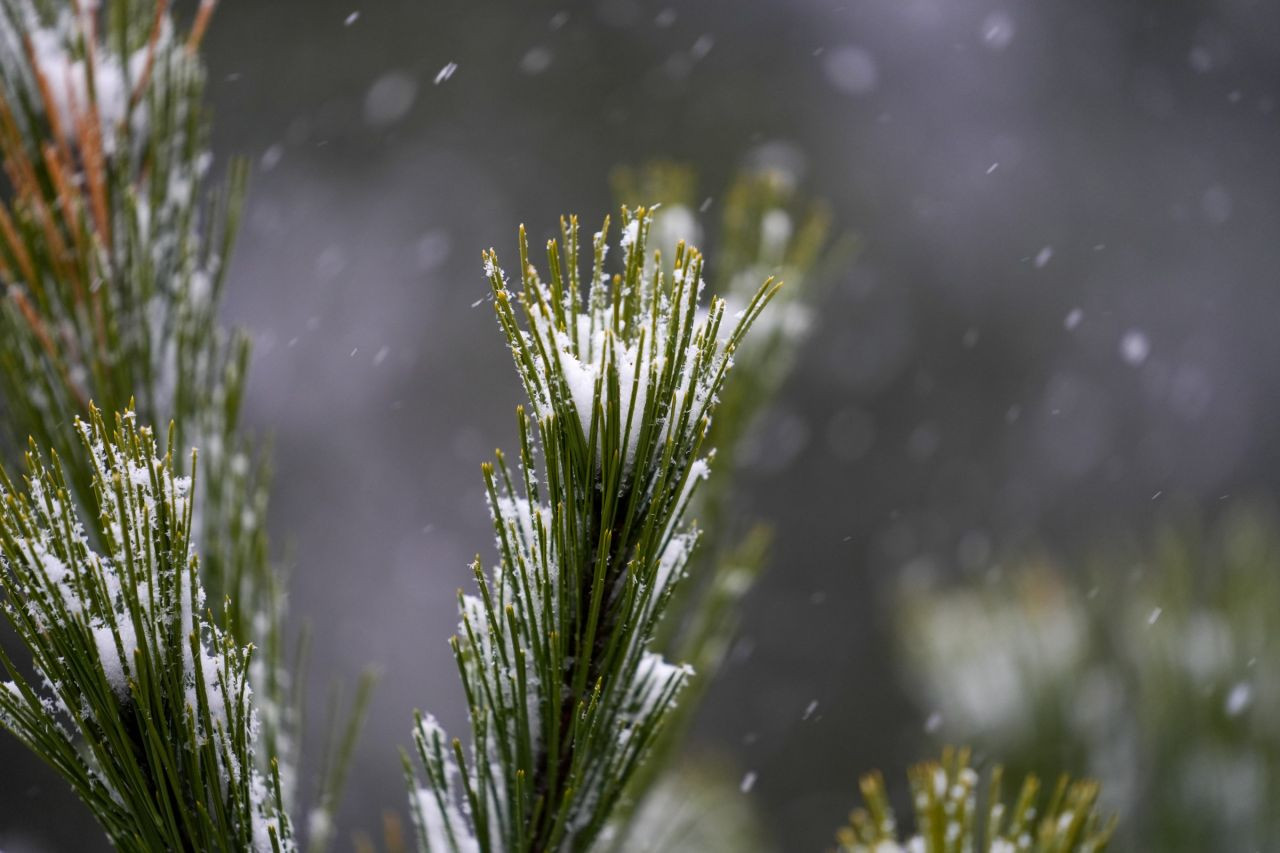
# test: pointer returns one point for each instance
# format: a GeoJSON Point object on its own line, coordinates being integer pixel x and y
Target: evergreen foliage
{"type": "Point", "coordinates": [141, 587]}
{"type": "Point", "coordinates": [138, 698]}
{"type": "Point", "coordinates": [565, 695]}
{"type": "Point", "coordinates": [113, 254]}
{"type": "Point", "coordinates": [113, 251]}
{"type": "Point", "coordinates": [694, 807]}
{"type": "Point", "coordinates": [1160, 680]}
{"type": "Point", "coordinates": [765, 228]}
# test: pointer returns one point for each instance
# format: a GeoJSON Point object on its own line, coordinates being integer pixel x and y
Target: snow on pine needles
{"type": "Point", "coordinates": [565, 695]}
{"type": "Point", "coordinates": [140, 700]}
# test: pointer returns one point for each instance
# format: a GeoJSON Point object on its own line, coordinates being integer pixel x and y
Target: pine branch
{"type": "Point", "coordinates": [565, 696]}
{"type": "Point", "coordinates": [1155, 671]}
{"type": "Point", "coordinates": [140, 700]}
{"type": "Point", "coordinates": [949, 819]}
{"type": "Point", "coordinates": [766, 228]}
{"type": "Point", "coordinates": [696, 807]}
{"type": "Point", "coordinates": [113, 253]}
{"type": "Point", "coordinates": [335, 759]}
{"type": "Point", "coordinates": [113, 256]}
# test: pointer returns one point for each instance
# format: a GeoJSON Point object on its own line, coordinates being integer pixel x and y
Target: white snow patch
{"type": "Point", "coordinates": [117, 661]}
{"type": "Point", "coordinates": [68, 81]}
{"type": "Point", "coordinates": [630, 233]}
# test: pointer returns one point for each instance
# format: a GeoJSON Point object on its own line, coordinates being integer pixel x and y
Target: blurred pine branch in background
{"type": "Point", "coordinates": [952, 816]}
{"type": "Point", "coordinates": [762, 226]}
{"type": "Point", "coordinates": [1156, 672]}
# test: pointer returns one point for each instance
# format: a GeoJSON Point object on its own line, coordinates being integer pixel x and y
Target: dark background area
{"type": "Point", "coordinates": [1064, 313]}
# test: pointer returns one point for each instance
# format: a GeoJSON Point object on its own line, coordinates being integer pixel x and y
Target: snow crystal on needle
{"type": "Point", "coordinates": [655, 678]}
{"type": "Point", "coordinates": [442, 825]}
{"type": "Point", "coordinates": [518, 512]}
{"type": "Point", "coordinates": [581, 371]}
{"type": "Point", "coordinates": [672, 561]}
{"type": "Point", "coordinates": [580, 377]}
{"type": "Point", "coordinates": [629, 234]}
{"type": "Point", "coordinates": [116, 659]}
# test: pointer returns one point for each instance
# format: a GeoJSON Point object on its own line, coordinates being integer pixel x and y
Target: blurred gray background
{"type": "Point", "coordinates": [1064, 313]}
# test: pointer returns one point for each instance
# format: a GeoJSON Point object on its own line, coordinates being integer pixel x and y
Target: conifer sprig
{"type": "Point", "coordinates": [765, 228]}
{"type": "Point", "coordinates": [113, 252]}
{"type": "Point", "coordinates": [1154, 669]}
{"type": "Point", "coordinates": [949, 818]}
{"type": "Point", "coordinates": [564, 693]}
{"type": "Point", "coordinates": [139, 699]}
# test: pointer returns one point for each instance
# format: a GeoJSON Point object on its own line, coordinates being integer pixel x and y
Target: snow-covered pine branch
{"type": "Point", "coordinates": [565, 695]}
{"type": "Point", "coordinates": [112, 256]}
{"type": "Point", "coordinates": [113, 251]}
{"type": "Point", "coordinates": [140, 700]}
